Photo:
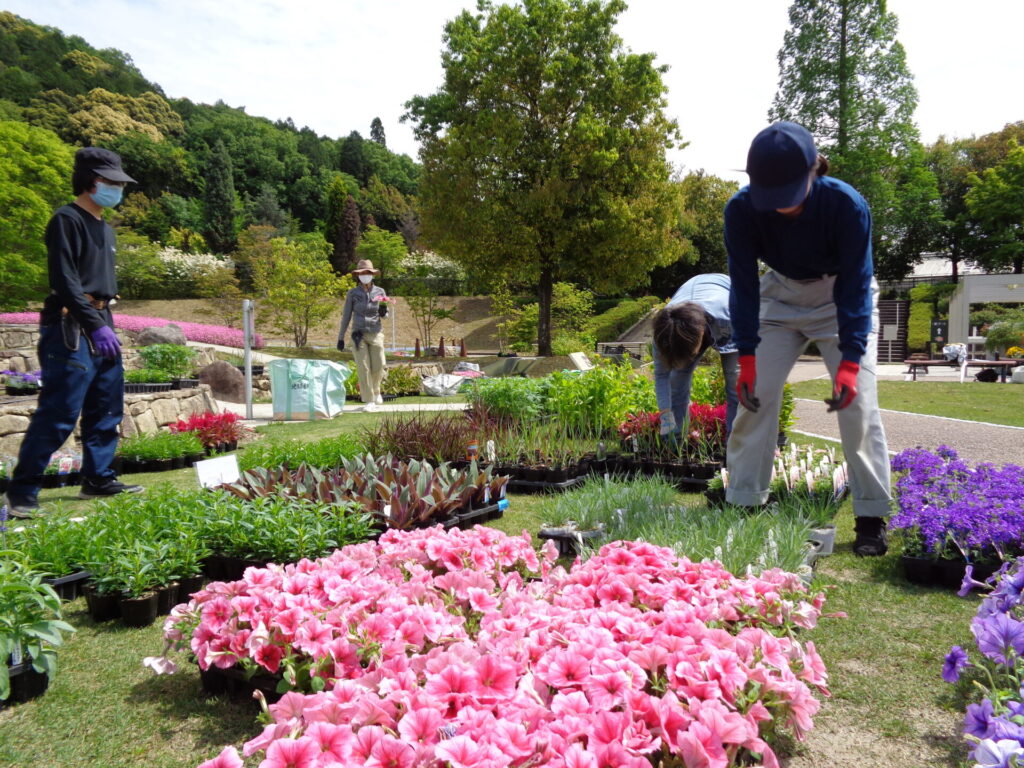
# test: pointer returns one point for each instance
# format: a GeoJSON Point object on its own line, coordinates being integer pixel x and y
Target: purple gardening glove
{"type": "Point", "coordinates": [105, 341]}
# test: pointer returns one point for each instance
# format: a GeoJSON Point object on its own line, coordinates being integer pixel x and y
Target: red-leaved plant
{"type": "Point", "coordinates": [211, 428]}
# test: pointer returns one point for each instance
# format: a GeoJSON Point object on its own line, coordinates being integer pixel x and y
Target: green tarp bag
{"type": "Point", "coordinates": [307, 389]}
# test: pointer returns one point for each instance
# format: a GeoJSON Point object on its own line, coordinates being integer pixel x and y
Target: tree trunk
{"type": "Point", "coordinates": [544, 291]}
{"type": "Point", "coordinates": [842, 133]}
{"type": "Point", "coordinates": [955, 259]}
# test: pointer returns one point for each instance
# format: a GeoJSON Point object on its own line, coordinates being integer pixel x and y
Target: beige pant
{"type": "Point", "coordinates": [794, 313]}
{"type": "Point", "coordinates": [370, 365]}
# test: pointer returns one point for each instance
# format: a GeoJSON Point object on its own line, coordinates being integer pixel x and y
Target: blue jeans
{"type": "Point", "coordinates": [74, 383]}
{"type": "Point", "coordinates": [680, 380]}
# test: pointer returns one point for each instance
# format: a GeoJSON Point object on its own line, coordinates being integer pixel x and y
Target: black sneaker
{"type": "Point", "coordinates": [870, 540]}
{"type": "Point", "coordinates": [22, 508]}
{"type": "Point", "coordinates": [105, 486]}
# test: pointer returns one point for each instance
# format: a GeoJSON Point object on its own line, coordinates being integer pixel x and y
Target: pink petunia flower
{"type": "Point", "coordinates": [228, 758]}
{"type": "Point", "coordinates": [302, 752]}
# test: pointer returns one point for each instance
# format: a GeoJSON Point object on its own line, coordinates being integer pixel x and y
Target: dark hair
{"type": "Point", "coordinates": [83, 179]}
{"type": "Point", "coordinates": [821, 168]}
{"type": "Point", "coordinates": [679, 333]}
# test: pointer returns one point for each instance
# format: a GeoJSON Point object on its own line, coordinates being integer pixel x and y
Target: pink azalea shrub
{"type": "Point", "coordinates": [201, 332]}
{"type": "Point", "coordinates": [464, 648]}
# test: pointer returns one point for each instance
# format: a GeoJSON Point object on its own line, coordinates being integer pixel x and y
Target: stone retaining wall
{"type": "Point", "coordinates": [145, 413]}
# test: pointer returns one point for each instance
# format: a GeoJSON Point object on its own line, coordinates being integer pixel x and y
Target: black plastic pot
{"type": "Point", "coordinates": [188, 586]}
{"type": "Point", "coordinates": [26, 684]}
{"type": "Point", "coordinates": [166, 598]}
{"type": "Point", "coordinates": [184, 383]}
{"type": "Point", "coordinates": [102, 606]}
{"type": "Point", "coordinates": [139, 611]}
{"type": "Point", "coordinates": [21, 391]}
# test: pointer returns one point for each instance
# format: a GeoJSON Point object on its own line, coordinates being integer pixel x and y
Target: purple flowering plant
{"type": "Point", "coordinates": [994, 726]}
{"type": "Point", "coordinates": [947, 509]}
{"type": "Point", "coordinates": [22, 379]}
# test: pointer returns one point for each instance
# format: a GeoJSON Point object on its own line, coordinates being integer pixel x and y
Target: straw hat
{"type": "Point", "coordinates": [364, 266]}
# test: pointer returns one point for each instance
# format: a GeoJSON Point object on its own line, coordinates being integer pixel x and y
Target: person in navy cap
{"type": "Point", "coordinates": [813, 233]}
{"type": "Point", "coordinates": [79, 353]}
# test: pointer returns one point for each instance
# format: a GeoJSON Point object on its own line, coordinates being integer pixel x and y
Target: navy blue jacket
{"type": "Point", "coordinates": [831, 236]}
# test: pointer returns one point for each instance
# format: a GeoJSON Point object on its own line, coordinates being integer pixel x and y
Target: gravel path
{"type": "Point", "coordinates": [975, 441]}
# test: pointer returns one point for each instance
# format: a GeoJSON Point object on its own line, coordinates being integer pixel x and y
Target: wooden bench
{"type": "Point", "coordinates": [919, 362]}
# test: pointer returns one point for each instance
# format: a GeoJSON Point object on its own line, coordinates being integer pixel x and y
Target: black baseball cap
{"type": "Point", "coordinates": [102, 162]}
{"type": "Point", "coordinates": [779, 161]}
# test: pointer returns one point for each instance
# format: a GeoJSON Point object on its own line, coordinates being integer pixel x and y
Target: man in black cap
{"type": "Point", "coordinates": [813, 232]}
{"type": "Point", "coordinates": [79, 352]}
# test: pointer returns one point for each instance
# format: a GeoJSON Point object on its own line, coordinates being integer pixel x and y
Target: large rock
{"type": "Point", "coordinates": [164, 334]}
{"type": "Point", "coordinates": [225, 380]}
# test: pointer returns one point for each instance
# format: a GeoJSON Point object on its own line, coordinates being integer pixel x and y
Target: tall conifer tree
{"type": "Point", "coordinates": [219, 200]}
{"type": "Point", "coordinates": [843, 75]}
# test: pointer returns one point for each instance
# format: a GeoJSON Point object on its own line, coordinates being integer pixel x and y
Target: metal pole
{"type": "Point", "coordinates": [247, 323]}
{"type": "Point", "coordinates": [393, 310]}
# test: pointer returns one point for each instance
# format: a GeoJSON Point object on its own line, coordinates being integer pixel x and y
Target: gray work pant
{"type": "Point", "coordinates": [793, 313]}
{"type": "Point", "coordinates": [370, 365]}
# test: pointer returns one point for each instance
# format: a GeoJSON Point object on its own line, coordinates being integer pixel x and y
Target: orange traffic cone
{"type": "Point", "coordinates": [462, 347]}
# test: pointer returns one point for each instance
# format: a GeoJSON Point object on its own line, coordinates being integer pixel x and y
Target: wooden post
{"type": "Point", "coordinates": [462, 347]}
{"type": "Point", "coordinates": [440, 348]}
{"type": "Point", "coordinates": [418, 351]}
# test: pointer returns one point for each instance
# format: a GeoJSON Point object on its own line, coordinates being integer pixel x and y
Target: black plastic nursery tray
{"type": "Point", "coordinates": [70, 586]}
{"type": "Point", "coordinates": [542, 486]}
{"type": "Point", "coordinates": [569, 542]}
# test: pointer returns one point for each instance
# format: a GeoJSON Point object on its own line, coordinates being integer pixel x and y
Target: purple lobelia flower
{"type": "Point", "coordinates": [956, 660]}
{"type": "Point", "coordinates": [1000, 637]}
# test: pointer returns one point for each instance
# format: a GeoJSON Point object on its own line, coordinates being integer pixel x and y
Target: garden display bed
{"type": "Point", "coordinates": [465, 624]}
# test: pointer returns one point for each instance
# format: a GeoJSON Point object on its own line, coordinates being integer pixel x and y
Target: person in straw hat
{"type": "Point", "coordinates": [365, 306]}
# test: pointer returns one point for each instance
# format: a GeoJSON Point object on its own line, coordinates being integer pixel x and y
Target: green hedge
{"type": "Point", "coordinates": [609, 325]}
{"type": "Point", "coordinates": [919, 324]}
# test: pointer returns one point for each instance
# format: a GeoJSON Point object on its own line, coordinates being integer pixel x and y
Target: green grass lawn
{"type": "Point", "coordinates": [104, 709]}
{"type": "Point", "coordinates": [975, 401]}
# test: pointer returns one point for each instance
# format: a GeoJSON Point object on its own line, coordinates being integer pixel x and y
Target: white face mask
{"type": "Point", "coordinates": [365, 279]}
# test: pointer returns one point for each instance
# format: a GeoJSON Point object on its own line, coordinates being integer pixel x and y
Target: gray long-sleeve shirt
{"type": "Point", "coordinates": [362, 310]}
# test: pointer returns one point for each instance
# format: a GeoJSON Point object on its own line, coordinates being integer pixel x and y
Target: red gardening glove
{"type": "Point", "coordinates": [844, 389]}
{"type": "Point", "coordinates": [745, 383]}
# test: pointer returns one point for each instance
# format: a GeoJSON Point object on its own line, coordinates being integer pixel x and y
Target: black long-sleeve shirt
{"type": "Point", "coordinates": [80, 256]}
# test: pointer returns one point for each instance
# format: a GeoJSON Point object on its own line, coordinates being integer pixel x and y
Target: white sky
{"type": "Point", "coordinates": [334, 65]}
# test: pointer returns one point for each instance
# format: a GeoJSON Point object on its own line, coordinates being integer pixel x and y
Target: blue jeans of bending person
{"type": "Point", "coordinates": [75, 383]}
{"type": "Point", "coordinates": [672, 389]}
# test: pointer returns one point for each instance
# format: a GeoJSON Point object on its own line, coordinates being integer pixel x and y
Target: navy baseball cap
{"type": "Point", "coordinates": [102, 162]}
{"type": "Point", "coordinates": [779, 161]}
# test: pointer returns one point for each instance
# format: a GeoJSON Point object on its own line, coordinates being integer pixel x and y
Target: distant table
{"type": "Point", "coordinates": [1003, 366]}
{"type": "Point", "coordinates": [914, 365]}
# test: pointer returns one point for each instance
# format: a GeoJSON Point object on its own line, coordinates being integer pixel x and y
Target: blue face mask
{"type": "Point", "coordinates": [106, 195]}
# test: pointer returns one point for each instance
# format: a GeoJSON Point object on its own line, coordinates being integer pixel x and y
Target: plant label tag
{"type": "Point", "coordinates": [492, 453]}
{"type": "Point", "coordinates": [502, 504]}
{"type": "Point", "coordinates": [217, 471]}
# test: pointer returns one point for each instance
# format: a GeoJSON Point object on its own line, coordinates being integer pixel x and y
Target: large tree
{"type": "Point", "coordinates": [843, 75]}
{"type": "Point", "coordinates": [996, 199]}
{"type": "Point", "coordinates": [35, 178]}
{"type": "Point", "coordinates": [544, 149]}
{"type": "Point", "coordinates": [700, 210]}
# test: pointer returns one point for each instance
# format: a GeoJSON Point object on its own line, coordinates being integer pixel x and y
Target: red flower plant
{"type": "Point", "coordinates": [211, 428]}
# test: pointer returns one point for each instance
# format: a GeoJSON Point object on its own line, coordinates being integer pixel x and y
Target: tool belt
{"type": "Point", "coordinates": [95, 303]}
{"type": "Point", "coordinates": [72, 331]}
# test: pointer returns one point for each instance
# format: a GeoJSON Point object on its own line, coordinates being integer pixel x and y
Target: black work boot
{"type": "Point", "coordinates": [870, 540]}
{"type": "Point", "coordinates": [105, 486]}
